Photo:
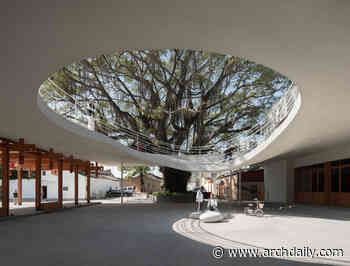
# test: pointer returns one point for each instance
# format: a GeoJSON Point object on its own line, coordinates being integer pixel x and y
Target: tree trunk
{"type": "Point", "coordinates": [142, 183]}
{"type": "Point", "coordinates": [175, 180]}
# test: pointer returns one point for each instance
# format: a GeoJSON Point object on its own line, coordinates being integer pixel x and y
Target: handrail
{"type": "Point", "coordinates": [238, 145]}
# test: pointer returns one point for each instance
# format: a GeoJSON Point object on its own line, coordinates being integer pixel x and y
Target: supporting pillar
{"type": "Point", "coordinates": [215, 187]}
{"type": "Point", "coordinates": [279, 181]}
{"type": "Point", "coordinates": [76, 190]}
{"type": "Point", "coordinates": [38, 182]}
{"type": "Point", "coordinates": [5, 183]}
{"type": "Point", "coordinates": [19, 185]}
{"type": "Point", "coordinates": [88, 184]}
{"type": "Point", "coordinates": [60, 184]}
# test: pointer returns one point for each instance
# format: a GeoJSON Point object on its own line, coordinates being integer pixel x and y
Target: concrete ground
{"type": "Point", "coordinates": [133, 234]}
{"type": "Point", "coordinates": [301, 227]}
{"type": "Point", "coordinates": [28, 206]}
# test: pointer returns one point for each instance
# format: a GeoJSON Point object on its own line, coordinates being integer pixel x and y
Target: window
{"type": "Point", "coordinates": [335, 163]}
{"type": "Point", "coordinates": [335, 180]}
{"type": "Point", "coordinates": [44, 173]}
{"type": "Point", "coordinates": [307, 176]}
{"type": "Point", "coordinates": [345, 179]}
{"type": "Point", "coordinates": [253, 189]}
{"type": "Point", "coordinates": [345, 162]}
{"type": "Point", "coordinates": [298, 180]}
{"type": "Point", "coordinates": [320, 180]}
{"type": "Point", "coordinates": [314, 180]}
{"type": "Point", "coordinates": [65, 188]}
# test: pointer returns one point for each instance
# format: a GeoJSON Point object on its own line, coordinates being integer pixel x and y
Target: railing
{"type": "Point", "coordinates": [79, 112]}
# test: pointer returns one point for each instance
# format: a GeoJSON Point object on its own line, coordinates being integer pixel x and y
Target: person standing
{"type": "Point", "coordinates": [15, 197]}
{"type": "Point", "coordinates": [199, 199]}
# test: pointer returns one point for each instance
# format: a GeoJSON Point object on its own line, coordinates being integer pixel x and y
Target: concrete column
{"type": "Point", "coordinates": [214, 186]}
{"type": "Point", "coordinates": [60, 183]}
{"type": "Point", "coordinates": [279, 181]}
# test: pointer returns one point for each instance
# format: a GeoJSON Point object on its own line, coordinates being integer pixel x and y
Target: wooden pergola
{"type": "Point", "coordinates": [27, 157]}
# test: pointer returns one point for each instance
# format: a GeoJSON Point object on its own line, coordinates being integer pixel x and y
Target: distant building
{"type": "Point", "coordinates": [49, 186]}
{"type": "Point", "coordinates": [151, 183]}
{"type": "Point", "coordinates": [252, 185]}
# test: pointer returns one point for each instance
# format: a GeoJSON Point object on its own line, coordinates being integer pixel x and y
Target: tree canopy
{"type": "Point", "coordinates": [182, 97]}
{"type": "Point", "coordinates": [186, 98]}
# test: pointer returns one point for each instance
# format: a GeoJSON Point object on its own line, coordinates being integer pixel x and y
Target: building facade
{"type": "Point", "coordinates": [151, 183]}
{"type": "Point", "coordinates": [49, 187]}
{"type": "Point", "coordinates": [227, 186]}
{"type": "Point", "coordinates": [325, 183]}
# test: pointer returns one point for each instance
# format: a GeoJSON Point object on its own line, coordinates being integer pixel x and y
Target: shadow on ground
{"type": "Point", "coordinates": [110, 235]}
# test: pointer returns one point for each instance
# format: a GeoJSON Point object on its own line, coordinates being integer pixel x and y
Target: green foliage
{"type": "Point", "coordinates": [178, 93]}
{"type": "Point", "coordinates": [167, 196]}
{"type": "Point", "coordinates": [184, 97]}
{"type": "Point", "coordinates": [136, 171]}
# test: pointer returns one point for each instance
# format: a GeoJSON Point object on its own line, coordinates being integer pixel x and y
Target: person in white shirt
{"type": "Point", "coordinates": [199, 199]}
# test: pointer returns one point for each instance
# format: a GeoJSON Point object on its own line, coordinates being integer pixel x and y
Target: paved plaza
{"type": "Point", "coordinates": [301, 227]}
{"type": "Point", "coordinates": [28, 207]}
{"type": "Point", "coordinates": [149, 234]}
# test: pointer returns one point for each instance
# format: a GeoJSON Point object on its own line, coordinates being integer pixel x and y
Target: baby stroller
{"type": "Point", "coordinates": [255, 208]}
{"type": "Point", "coordinates": [212, 204]}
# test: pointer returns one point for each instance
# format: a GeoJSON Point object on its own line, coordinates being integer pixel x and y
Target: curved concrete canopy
{"type": "Point", "coordinates": [306, 40]}
{"type": "Point", "coordinates": [208, 162]}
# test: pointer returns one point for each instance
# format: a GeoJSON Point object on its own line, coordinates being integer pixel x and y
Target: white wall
{"type": "Point", "coordinates": [99, 187]}
{"type": "Point", "coordinates": [28, 187]}
{"type": "Point", "coordinates": [279, 181]}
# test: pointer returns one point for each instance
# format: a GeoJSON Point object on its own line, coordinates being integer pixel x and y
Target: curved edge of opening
{"type": "Point", "coordinates": [277, 132]}
{"type": "Point", "coordinates": [165, 160]}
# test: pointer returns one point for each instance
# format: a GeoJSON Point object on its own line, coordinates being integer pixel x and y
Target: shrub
{"type": "Point", "coordinates": [167, 196]}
